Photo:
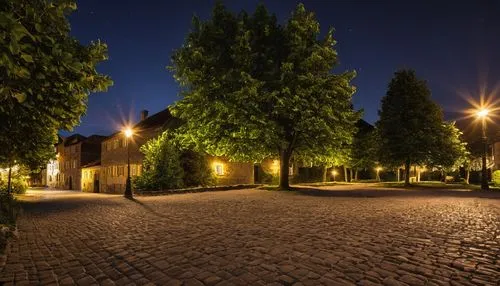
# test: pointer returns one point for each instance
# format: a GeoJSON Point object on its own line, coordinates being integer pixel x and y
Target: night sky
{"type": "Point", "coordinates": [454, 45]}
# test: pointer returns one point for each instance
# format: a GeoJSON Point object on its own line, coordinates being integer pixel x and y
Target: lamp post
{"type": "Point", "coordinates": [128, 187]}
{"type": "Point", "coordinates": [482, 114]}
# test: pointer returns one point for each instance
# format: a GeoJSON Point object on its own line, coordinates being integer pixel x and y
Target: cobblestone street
{"type": "Point", "coordinates": [257, 237]}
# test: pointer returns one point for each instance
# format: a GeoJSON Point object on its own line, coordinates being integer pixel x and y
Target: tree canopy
{"type": "Point", "coordinates": [410, 123]}
{"type": "Point", "coordinates": [254, 89]}
{"type": "Point", "coordinates": [46, 77]}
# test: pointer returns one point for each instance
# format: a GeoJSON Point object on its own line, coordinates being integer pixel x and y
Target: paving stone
{"type": "Point", "coordinates": [257, 237]}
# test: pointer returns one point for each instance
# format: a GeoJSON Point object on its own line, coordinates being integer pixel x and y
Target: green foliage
{"type": "Point", "coordinates": [254, 89]}
{"type": "Point", "coordinates": [496, 178]}
{"type": "Point", "coordinates": [452, 151]}
{"type": "Point", "coordinates": [161, 166]}
{"type": "Point", "coordinates": [410, 124]}
{"type": "Point", "coordinates": [197, 171]}
{"type": "Point", "coordinates": [46, 78]}
{"type": "Point", "coordinates": [166, 166]}
{"type": "Point", "coordinates": [364, 152]}
{"type": "Point", "coordinates": [18, 186]}
{"type": "Point", "coordinates": [19, 180]}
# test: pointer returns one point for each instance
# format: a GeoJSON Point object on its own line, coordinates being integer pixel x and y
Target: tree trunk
{"type": "Point", "coordinates": [345, 174]}
{"type": "Point", "coordinates": [467, 175]}
{"type": "Point", "coordinates": [9, 180]}
{"type": "Point", "coordinates": [351, 176]}
{"type": "Point", "coordinates": [407, 173]}
{"type": "Point", "coordinates": [284, 164]}
{"type": "Point", "coordinates": [323, 178]}
{"type": "Point", "coordinates": [356, 174]}
{"type": "Point", "coordinates": [398, 171]}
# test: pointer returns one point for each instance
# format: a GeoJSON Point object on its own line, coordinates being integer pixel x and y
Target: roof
{"type": "Point", "coordinates": [92, 164]}
{"type": "Point", "coordinates": [74, 139]}
{"type": "Point", "coordinates": [160, 120]}
{"type": "Point", "coordinates": [156, 120]}
{"type": "Point", "coordinates": [95, 138]}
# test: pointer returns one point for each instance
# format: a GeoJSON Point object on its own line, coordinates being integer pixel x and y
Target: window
{"type": "Point", "coordinates": [219, 169]}
{"type": "Point", "coordinates": [120, 171]}
{"type": "Point", "coordinates": [114, 171]}
{"type": "Point", "coordinates": [74, 163]}
{"type": "Point", "coordinates": [133, 170]}
{"type": "Point", "coordinates": [109, 171]}
{"type": "Point", "coordinates": [66, 165]}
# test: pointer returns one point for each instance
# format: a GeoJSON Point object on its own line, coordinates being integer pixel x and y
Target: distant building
{"type": "Point", "coordinates": [74, 152]}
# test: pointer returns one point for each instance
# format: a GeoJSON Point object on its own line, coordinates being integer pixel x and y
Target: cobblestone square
{"type": "Point", "coordinates": [334, 236]}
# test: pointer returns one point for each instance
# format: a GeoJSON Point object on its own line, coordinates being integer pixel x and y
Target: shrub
{"type": "Point", "coordinates": [166, 166]}
{"type": "Point", "coordinates": [18, 185]}
{"type": "Point", "coordinates": [161, 166]}
{"type": "Point", "coordinates": [496, 178]}
{"type": "Point", "coordinates": [197, 171]}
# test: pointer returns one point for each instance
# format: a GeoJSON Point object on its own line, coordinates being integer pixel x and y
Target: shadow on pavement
{"type": "Point", "coordinates": [148, 208]}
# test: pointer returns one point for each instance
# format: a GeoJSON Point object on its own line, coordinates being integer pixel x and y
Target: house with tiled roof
{"type": "Point", "coordinates": [73, 152]}
{"type": "Point", "coordinates": [113, 173]}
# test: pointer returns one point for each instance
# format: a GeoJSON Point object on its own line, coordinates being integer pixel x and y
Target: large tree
{"type": "Point", "coordinates": [254, 89]}
{"type": "Point", "coordinates": [410, 123]}
{"type": "Point", "coordinates": [46, 76]}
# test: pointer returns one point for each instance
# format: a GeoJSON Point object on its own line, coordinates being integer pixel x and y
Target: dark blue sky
{"type": "Point", "coordinates": [454, 45]}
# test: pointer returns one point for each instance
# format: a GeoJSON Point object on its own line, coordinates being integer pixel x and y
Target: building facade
{"type": "Point", "coordinates": [114, 150]}
{"type": "Point", "coordinates": [91, 177]}
{"type": "Point", "coordinates": [74, 152]}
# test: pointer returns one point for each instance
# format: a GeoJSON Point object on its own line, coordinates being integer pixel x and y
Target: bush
{"type": "Point", "coordinates": [496, 178]}
{"type": "Point", "coordinates": [197, 171]}
{"type": "Point", "coordinates": [18, 185]}
{"type": "Point", "coordinates": [161, 166]}
{"type": "Point", "coordinates": [166, 166]}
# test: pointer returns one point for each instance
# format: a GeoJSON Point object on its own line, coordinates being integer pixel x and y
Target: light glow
{"type": "Point", "coordinates": [482, 113]}
{"type": "Point", "coordinates": [128, 132]}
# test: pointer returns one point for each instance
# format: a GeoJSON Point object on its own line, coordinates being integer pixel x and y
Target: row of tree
{"type": "Point", "coordinates": [251, 89]}
{"type": "Point", "coordinates": [255, 89]}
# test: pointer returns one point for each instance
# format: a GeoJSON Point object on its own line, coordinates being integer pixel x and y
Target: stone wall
{"type": "Point", "coordinates": [231, 173]}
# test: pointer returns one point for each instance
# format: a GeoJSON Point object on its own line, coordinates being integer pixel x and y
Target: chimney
{"type": "Point", "coordinates": [144, 114]}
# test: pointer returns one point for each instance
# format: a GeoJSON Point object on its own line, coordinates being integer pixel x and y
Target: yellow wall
{"type": "Point", "coordinates": [88, 176]}
{"type": "Point", "coordinates": [231, 173]}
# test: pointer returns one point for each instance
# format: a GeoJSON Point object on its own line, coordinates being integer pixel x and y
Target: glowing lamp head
{"type": "Point", "coordinates": [334, 172]}
{"type": "Point", "coordinates": [482, 113]}
{"type": "Point", "coordinates": [128, 132]}
{"type": "Point", "coordinates": [378, 169]}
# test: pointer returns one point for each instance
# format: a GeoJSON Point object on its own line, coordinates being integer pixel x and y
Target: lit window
{"type": "Point", "coordinates": [219, 169]}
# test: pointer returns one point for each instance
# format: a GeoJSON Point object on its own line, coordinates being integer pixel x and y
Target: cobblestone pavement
{"type": "Point", "coordinates": [257, 237]}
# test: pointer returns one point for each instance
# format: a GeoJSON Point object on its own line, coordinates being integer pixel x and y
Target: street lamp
{"type": "Point", "coordinates": [128, 187]}
{"type": "Point", "coordinates": [482, 114]}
